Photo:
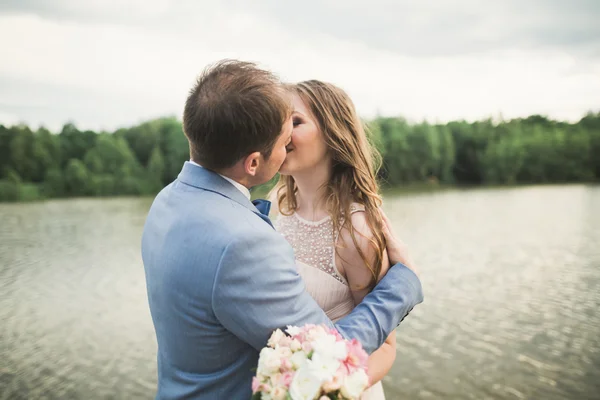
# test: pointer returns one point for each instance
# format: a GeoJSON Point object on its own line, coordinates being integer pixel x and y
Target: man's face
{"type": "Point", "coordinates": [270, 167]}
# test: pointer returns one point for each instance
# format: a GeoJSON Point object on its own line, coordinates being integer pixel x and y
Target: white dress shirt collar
{"type": "Point", "coordinates": [238, 185]}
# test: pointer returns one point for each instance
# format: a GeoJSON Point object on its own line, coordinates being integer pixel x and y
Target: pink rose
{"type": "Point", "coordinates": [357, 357]}
{"type": "Point", "coordinates": [265, 387]}
{"type": "Point", "coordinates": [286, 364]}
{"type": "Point", "coordinates": [278, 393]}
{"type": "Point", "coordinates": [286, 379]}
{"type": "Point", "coordinates": [335, 333]}
{"type": "Point", "coordinates": [285, 341]}
{"type": "Point", "coordinates": [306, 347]}
{"type": "Point", "coordinates": [255, 384]}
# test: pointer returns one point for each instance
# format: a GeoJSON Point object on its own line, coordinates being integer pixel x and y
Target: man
{"type": "Point", "coordinates": [220, 279]}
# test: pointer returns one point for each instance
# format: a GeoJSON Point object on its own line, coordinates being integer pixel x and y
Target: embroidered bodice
{"type": "Point", "coordinates": [313, 242]}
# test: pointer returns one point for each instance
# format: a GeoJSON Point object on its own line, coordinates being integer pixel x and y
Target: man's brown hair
{"type": "Point", "coordinates": [234, 109]}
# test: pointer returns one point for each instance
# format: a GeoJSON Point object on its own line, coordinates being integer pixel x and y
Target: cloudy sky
{"type": "Point", "coordinates": [109, 63]}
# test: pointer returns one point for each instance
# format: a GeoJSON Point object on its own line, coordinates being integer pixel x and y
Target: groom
{"type": "Point", "coordinates": [220, 279]}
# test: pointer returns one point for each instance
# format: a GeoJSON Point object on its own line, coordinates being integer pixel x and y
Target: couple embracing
{"type": "Point", "coordinates": [222, 276]}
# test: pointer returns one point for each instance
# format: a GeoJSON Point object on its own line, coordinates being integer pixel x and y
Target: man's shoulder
{"type": "Point", "coordinates": [211, 211]}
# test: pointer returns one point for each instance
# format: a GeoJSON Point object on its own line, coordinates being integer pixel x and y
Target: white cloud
{"type": "Point", "coordinates": [103, 75]}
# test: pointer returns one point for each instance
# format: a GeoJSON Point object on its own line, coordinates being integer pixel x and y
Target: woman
{"type": "Point", "coordinates": [328, 203]}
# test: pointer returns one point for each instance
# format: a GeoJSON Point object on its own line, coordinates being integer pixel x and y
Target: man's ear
{"type": "Point", "coordinates": [252, 163]}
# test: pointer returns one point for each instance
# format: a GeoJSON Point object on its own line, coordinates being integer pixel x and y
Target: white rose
{"type": "Point", "coordinates": [262, 358]}
{"type": "Point", "coordinates": [323, 367]}
{"type": "Point", "coordinates": [295, 345]}
{"type": "Point", "coordinates": [355, 384]}
{"type": "Point", "coordinates": [292, 330]}
{"type": "Point", "coordinates": [283, 352]}
{"type": "Point", "coordinates": [316, 333]}
{"type": "Point", "coordinates": [268, 361]}
{"type": "Point", "coordinates": [306, 347]}
{"type": "Point", "coordinates": [275, 378]}
{"type": "Point", "coordinates": [298, 359]}
{"type": "Point", "coordinates": [329, 346]}
{"type": "Point", "coordinates": [273, 363]}
{"type": "Point", "coordinates": [334, 383]}
{"type": "Point", "coordinates": [278, 393]}
{"type": "Point", "coordinates": [305, 385]}
{"type": "Point", "coordinates": [275, 338]}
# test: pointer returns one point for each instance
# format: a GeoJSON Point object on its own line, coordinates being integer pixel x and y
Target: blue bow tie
{"type": "Point", "coordinates": [264, 206]}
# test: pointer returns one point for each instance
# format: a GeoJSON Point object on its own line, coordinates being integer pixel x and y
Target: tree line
{"type": "Point", "coordinates": [142, 159]}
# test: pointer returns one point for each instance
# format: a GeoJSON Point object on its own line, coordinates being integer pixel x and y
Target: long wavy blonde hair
{"type": "Point", "coordinates": [355, 163]}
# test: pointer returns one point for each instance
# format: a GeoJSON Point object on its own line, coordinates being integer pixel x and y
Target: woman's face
{"type": "Point", "coordinates": [307, 148]}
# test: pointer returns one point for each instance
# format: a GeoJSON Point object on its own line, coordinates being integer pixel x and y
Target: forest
{"type": "Point", "coordinates": [140, 160]}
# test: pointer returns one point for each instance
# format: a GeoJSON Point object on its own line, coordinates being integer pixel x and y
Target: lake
{"type": "Point", "coordinates": [511, 279]}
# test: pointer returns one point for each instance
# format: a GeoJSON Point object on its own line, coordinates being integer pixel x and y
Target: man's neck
{"type": "Point", "coordinates": [235, 182]}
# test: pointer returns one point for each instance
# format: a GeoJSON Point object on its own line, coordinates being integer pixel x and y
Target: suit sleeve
{"type": "Point", "coordinates": [382, 310]}
{"type": "Point", "coordinates": [257, 290]}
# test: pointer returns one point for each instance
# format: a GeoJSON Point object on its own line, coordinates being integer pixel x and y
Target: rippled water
{"type": "Point", "coordinates": [511, 278]}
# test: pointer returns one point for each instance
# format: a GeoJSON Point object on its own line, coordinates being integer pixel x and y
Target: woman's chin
{"type": "Point", "coordinates": [284, 170]}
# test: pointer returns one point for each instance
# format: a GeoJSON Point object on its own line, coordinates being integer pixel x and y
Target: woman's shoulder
{"type": "Point", "coordinates": [357, 221]}
{"type": "Point", "coordinates": [355, 248]}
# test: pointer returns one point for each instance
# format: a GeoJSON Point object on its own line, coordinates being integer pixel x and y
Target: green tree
{"type": "Point", "coordinates": [103, 185]}
{"type": "Point", "coordinates": [174, 147]}
{"type": "Point", "coordinates": [156, 168]}
{"type": "Point", "coordinates": [395, 150]}
{"type": "Point", "coordinates": [142, 139]}
{"type": "Point", "coordinates": [502, 161]}
{"type": "Point", "coordinates": [77, 178]}
{"type": "Point", "coordinates": [45, 153]}
{"type": "Point", "coordinates": [9, 190]}
{"type": "Point", "coordinates": [447, 154]}
{"type": "Point", "coordinates": [6, 137]}
{"type": "Point", "coordinates": [470, 142]}
{"type": "Point", "coordinates": [74, 144]}
{"type": "Point", "coordinates": [110, 155]}
{"type": "Point", "coordinates": [54, 183]}
{"type": "Point", "coordinates": [591, 124]}
{"type": "Point", "coordinates": [21, 157]}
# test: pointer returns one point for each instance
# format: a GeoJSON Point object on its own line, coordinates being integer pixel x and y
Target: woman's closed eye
{"type": "Point", "coordinates": [296, 121]}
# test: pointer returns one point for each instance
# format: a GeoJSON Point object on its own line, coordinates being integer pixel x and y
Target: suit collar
{"type": "Point", "coordinates": [203, 178]}
{"type": "Point", "coordinates": [238, 185]}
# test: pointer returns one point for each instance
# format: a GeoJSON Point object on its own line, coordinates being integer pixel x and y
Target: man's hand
{"type": "Point", "coordinates": [396, 249]}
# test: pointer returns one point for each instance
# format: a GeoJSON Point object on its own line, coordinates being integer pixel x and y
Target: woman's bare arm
{"type": "Point", "coordinates": [359, 277]}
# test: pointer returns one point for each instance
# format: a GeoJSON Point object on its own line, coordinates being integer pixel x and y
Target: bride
{"type": "Point", "coordinates": [328, 205]}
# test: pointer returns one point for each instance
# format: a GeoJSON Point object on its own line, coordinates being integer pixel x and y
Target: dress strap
{"type": "Point", "coordinates": [356, 207]}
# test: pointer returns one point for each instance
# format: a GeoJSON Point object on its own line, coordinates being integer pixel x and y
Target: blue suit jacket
{"type": "Point", "coordinates": [220, 279]}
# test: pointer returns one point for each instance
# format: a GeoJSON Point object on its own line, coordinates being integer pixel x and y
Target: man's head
{"type": "Point", "coordinates": [237, 120]}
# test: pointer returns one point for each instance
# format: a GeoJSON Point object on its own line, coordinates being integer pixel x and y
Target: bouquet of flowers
{"type": "Point", "coordinates": [312, 362]}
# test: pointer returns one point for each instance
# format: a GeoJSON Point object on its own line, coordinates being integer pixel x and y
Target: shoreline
{"type": "Point", "coordinates": [410, 189]}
